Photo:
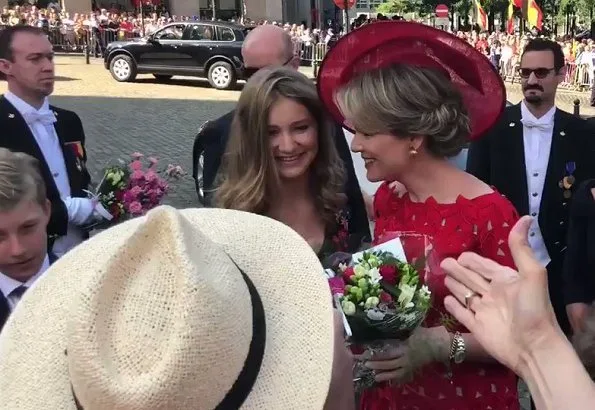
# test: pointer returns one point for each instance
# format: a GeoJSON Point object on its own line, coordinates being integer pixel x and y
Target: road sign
{"type": "Point", "coordinates": [341, 3]}
{"type": "Point", "coordinates": [441, 11]}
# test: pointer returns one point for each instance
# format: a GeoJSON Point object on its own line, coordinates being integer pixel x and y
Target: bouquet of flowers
{"type": "Point", "coordinates": [132, 189]}
{"type": "Point", "coordinates": [383, 297]}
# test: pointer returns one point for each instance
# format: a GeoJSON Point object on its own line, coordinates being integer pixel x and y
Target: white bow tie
{"type": "Point", "coordinates": [44, 117]}
{"type": "Point", "coordinates": [541, 126]}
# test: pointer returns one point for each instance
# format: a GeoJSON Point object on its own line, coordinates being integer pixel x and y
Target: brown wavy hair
{"type": "Point", "coordinates": [248, 177]}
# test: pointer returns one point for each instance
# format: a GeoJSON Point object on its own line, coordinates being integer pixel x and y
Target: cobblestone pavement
{"type": "Point", "coordinates": [152, 118]}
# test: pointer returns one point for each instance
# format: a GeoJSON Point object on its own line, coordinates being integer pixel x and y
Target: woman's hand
{"type": "Point", "coordinates": [401, 359]}
{"type": "Point", "coordinates": [508, 312]}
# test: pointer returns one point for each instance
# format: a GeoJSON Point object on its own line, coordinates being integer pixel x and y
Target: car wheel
{"type": "Point", "coordinates": [221, 75]}
{"type": "Point", "coordinates": [162, 77]}
{"type": "Point", "coordinates": [123, 68]}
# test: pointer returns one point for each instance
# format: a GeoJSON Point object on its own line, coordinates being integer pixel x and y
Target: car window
{"type": "Point", "coordinates": [226, 34]}
{"type": "Point", "coordinates": [173, 32]}
{"type": "Point", "coordinates": [199, 32]}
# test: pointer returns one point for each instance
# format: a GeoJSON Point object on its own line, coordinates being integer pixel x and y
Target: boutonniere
{"type": "Point", "coordinates": [568, 181]}
{"type": "Point", "coordinates": [340, 239]}
{"type": "Point", "coordinates": [562, 133]}
{"type": "Point", "coordinates": [512, 124]}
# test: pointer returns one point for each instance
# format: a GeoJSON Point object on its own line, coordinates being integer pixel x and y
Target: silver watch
{"type": "Point", "coordinates": [458, 350]}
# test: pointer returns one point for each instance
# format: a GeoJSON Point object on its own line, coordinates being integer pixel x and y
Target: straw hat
{"type": "Point", "coordinates": [162, 312]}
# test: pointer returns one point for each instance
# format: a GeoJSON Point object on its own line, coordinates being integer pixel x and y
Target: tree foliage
{"type": "Point", "coordinates": [394, 7]}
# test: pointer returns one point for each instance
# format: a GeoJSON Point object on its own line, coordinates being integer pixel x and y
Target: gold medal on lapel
{"type": "Point", "coordinates": [567, 183]}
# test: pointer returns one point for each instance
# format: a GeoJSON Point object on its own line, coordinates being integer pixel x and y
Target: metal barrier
{"type": "Point", "coordinates": [310, 54]}
{"type": "Point", "coordinates": [92, 42]}
{"type": "Point", "coordinates": [69, 39]}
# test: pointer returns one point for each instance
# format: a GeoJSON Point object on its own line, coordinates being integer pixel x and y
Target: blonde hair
{"type": "Point", "coordinates": [248, 178]}
{"type": "Point", "coordinates": [20, 179]}
{"type": "Point", "coordinates": [407, 101]}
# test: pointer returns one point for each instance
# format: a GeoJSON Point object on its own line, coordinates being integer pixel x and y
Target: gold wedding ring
{"type": "Point", "coordinates": [468, 298]}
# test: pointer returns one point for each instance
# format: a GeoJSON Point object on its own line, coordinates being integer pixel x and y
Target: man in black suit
{"type": "Point", "coordinates": [536, 156]}
{"type": "Point", "coordinates": [53, 136]}
{"type": "Point", "coordinates": [24, 215]}
{"type": "Point", "coordinates": [266, 46]}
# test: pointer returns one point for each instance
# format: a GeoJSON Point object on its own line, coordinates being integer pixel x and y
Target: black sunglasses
{"type": "Point", "coordinates": [250, 71]}
{"type": "Point", "coordinates": [539, 72]}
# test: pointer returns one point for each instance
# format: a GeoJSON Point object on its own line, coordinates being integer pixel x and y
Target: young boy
{"type": "Point", "coordinates": [24, 215]}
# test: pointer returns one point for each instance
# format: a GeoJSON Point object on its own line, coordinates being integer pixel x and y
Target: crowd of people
{"type": "Point", "coordinates": [116, 320]}
{"type": "Point", "coordinates": [72, 31]}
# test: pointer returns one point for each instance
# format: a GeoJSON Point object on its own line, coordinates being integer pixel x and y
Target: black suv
{"type": "Point", "coordinates": [190, 48]}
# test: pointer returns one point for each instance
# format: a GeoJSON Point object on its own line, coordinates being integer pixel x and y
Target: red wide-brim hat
{"type": "Point", "coordinates": [384, 43]}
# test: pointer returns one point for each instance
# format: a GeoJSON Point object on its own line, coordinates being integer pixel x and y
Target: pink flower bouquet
{"type": "Point", "coordinates": [132, 189]}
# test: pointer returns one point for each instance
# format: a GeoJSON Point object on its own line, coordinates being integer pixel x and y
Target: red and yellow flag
{"type": "Point", "coordinates": [481, 16]}
{"type": "Point", "coordinates": [510, 19]}
{"type": "Point", "coordinates": [533, 14]}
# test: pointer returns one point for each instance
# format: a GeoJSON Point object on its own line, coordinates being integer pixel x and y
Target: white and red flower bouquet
{"type": "Point", "coordinates": [382, 294]}
{"type": "Point", "coordinates": [132, 189]}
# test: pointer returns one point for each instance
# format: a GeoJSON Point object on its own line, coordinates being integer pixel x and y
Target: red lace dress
{"type": "Point", "coordinates": [480, 225]}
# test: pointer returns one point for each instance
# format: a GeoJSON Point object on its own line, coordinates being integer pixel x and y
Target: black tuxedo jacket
{"type": "Point", "coordinates": [16, 136]}
{"type": "Point", "coordinates": [4, 308]}
{"type": "Point", "coordinates": [213, 137]}
{"type": "Point", "coordinates": [499, 160]}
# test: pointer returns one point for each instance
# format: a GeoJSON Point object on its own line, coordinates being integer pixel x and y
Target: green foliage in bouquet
{"type": "Point", "coordinates": [382, 297]}
{"type": "Point", "coordinates": [111, 189]}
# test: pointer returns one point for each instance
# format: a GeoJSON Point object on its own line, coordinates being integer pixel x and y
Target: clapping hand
{"type": "Point", "coordinates": [507, 311]}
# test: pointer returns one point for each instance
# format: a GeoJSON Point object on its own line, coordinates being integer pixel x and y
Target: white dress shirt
{"type": "Point", "coordinates": [41, 123]}
{"type": "Point", "coordinates": [537, 139]}
{"type": "Point", "coordinates": [8, 285]}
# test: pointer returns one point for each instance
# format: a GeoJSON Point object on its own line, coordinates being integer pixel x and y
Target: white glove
{"type": "Point", "coordinates": [84, 210]}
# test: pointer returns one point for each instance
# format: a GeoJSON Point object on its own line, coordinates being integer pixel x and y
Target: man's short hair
{"type": "Point", "coordinates": [7, 37]}
{"type": "Point", "coordinates": [20, 180]}
{"type": "Point", "coordinates": [542, 44]}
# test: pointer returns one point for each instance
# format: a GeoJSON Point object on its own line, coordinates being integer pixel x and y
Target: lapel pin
{"type": "Point", "coordinates": [562, 133]}
{"type": "Point", "coordinates": [512, 124]}
{"type": "Point", "coordinates": [11, 115]}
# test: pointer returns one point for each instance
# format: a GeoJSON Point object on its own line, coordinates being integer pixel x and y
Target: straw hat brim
{"type": "Point", "coordinates": [297, 364]}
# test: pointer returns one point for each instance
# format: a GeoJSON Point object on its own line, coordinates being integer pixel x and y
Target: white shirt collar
{"type": "Point", "coordinates": [545, 119]}
{"type": "Point", "coordinates": [8, 285]}
{"type": "Point", "coordinates": [24, 107]}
